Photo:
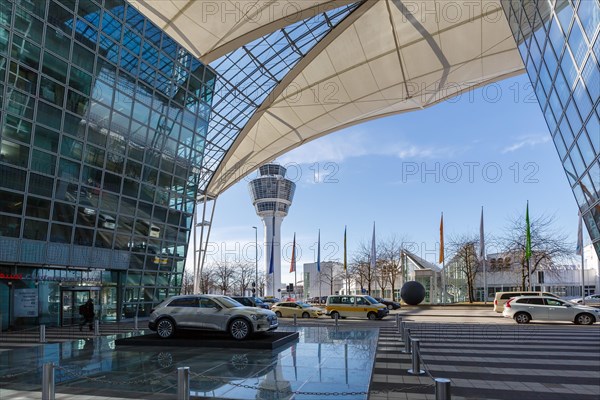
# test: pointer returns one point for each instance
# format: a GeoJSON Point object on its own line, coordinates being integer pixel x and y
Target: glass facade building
{"type": "Point", "coordinates": [103, 125]}
{"type": "Point", "coordinates": [560, 46]}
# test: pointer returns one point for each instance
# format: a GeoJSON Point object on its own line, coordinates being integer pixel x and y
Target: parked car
{"type": "Point", "coordinates": [318, 300]}
{"type": "Point", "coordinates": [355, 306]}
{"type": "Point", "coordinates": [391, 305]}
{"type": "Point", "coordinates": [546, 308]}
{"type": "Point", "coordinates": [270, 301]}
{"type": "Point", "coordinates": [591, 300]}
{"type": "Point", "coordinates": [297, 308]}
{"type": "Point", "coordinates": [250, 301]}
{"type": "Point", "coordinates": [502, 297]}
{"type": "Point", "coordinates": [210, 312]}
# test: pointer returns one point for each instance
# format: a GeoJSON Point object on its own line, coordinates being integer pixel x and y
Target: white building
{"type": "Point", "coordinates": [330, 280]}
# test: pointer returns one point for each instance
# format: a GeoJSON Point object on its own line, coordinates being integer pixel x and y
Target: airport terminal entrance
{"type": "Point", "coordinates": [70, 300]}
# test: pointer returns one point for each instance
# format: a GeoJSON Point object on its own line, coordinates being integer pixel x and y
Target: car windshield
{"type": "Point", "coordinates": [303, 305]}
{"type": "Point", "coordinates": [371, 300]}
{"type": "Point", "coordinates": [258, 301]}
{"type": "Point", "coordinates": [228, 302]}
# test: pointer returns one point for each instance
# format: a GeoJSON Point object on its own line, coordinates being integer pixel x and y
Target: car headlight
{"type": "Point", "coordinates": [256, 317]}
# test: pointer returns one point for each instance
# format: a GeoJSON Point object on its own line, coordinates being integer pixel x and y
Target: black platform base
{"type": "Point", "coordinates": [269, 340]}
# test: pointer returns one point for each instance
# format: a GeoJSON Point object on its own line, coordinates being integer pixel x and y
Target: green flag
{"type": "Point", "coordinates": [527, 234]}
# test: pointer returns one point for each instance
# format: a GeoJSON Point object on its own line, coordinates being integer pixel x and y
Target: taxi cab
{"type": "Point", "coordinates": [355, 306]}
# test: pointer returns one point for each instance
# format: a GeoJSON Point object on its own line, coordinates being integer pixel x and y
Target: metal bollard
{"type": "Point", "coordinates": [135, 323]}
{"type": "Point", "coordinates": [295, 319]}
{"type": "Point", "coordinates": [407, 349]}
{"type": "Point", "coordinates": [183, 383]}
{"type": "Point", "coordinates": [416, 360]}
{"type": "Point", "coordinates": [42, 333]}
{"type": "Point", "coordinates": [402, 326]}
{"type": "Point", "coordinates": [96, 327]}
{"type": "Point", "coordinates": [398, 323]}
{"type": "Point", "coordinates": [48, 382]}
{"type": "Point", "coordinates": [336, 319]}
{"type": "Point", "coordinates": [442, 389]}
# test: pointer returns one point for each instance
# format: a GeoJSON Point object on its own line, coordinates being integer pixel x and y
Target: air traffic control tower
{"type": "Point", "coordinates": [272, 196]}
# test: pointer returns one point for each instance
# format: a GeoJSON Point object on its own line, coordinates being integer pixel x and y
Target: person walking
{"type": "Point", "coordinates": [87, 314]}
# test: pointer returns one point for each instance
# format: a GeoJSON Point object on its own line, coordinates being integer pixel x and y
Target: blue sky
{"type": "Point", "coordinates": [489, 148]}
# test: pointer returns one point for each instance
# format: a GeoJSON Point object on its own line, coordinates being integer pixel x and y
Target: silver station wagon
{"type": "Point", "coordinates": [210, 313]}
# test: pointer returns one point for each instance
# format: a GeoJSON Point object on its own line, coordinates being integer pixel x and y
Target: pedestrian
{"type": "Point", "coordinates": [87, 314]}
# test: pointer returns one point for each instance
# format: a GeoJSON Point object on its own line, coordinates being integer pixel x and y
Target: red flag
{"type": "Point", "coordinates": [293, 263]}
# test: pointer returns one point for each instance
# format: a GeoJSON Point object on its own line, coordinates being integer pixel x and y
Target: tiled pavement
{"type": "Point", "coordinates": [483, 361]}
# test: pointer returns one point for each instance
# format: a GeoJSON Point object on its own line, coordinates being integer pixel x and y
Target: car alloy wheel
{"type": "Point", "coordinates": [278, 314]}
{"type": "Point", "coordinates": [522, 318]}
{"type": "Point", "coordinates": [390, 307]}
{"type": "Point", "coordinates": [372, 316]}
{"type": "Point", "coordinates": [584, 319]}
{"type": "Point", "coordinates": [335, 315]}
{"type": "Point", "coordinates": [305, 315]}
{"type": "Point", "coordinates": [165, 328]}
{"type": "Point", "coordinates": [239, 329]}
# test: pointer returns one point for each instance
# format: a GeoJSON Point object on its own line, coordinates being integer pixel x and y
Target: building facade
{"type": "Point", "coordinates": [560, 46]}
{"type": "Point", "coordinates": [103, 121]}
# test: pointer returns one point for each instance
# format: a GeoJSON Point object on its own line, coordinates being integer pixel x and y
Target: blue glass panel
{"type": "Point", "coordinates": [585, 147]}
{"type": "Point", "coordinates": [565, 130]}
{"type": "Point", "coordinates": [555, 103]}
{"type": "Point", "coordinates": [589, 15]}
{"type": "Point", "coordinates": [574, 118]}
{"type": "Point", "coordinates": [550, 60]}
{"type": "Point", "coordinates": [563, 90]}
{"type": "Point", "coordinates": [556, 37]}
{"type": "Point", "coordinates": [582, 100]}
{"type": "Point", "coordinates": [593, 129]}
{"type": "Point", "coordinates": [560, 146]}
{"type": "Point", "coordinates": [591, 77]}
{"type": "Point", "coordinates": [565, 14]}
{"type": "Point", "coordinates": [577, 44]}
{"type": "Point", "coordinates": [568, 68]}
{"type": "Point", "coordinates": [577, 161]}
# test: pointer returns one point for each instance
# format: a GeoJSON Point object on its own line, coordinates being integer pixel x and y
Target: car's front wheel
{"type": "Point", "coordinates": [522, 318]}
{"type": "Point", "coordinates": [240, 329]}
{"type": "Point", "coordinates": [278, 314]}
{"type": "Point", "coordinates": [165, 328]}
{"type": "Point", "coordinates": [335, 315]}
{"type": "Point", "coordinates": [584, 319]}
{"type": "Point", "coordinates": [390, 307]}
{"type": "Point", "coordinates": [305, 315]}
{"type": "Point", "coordinates": [372, 316]}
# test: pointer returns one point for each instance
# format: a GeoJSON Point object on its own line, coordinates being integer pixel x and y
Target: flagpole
{"type": "Point", "coordinates": [482, 255]}
{"type": "Point", "coordinates": [528, 246]}
{"type": "Point", "coordinates": [580, 252]}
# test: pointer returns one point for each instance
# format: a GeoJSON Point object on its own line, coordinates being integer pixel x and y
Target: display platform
{"type": "Point", "coordinates": [269, 340]}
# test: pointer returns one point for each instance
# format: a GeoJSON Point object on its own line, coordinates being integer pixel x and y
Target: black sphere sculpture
{"type": "Point", "coordinates": [412, 293]}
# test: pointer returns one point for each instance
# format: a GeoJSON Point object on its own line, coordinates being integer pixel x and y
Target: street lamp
{"type": "Point", "coordinates": [256, 259]}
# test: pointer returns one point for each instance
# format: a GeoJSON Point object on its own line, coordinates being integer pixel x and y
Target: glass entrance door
{"type": "Point", "coordinates": [72, 298]}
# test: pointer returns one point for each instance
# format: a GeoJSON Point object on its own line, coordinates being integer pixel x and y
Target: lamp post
{"type": "Point", "coordinates": [256, 259]}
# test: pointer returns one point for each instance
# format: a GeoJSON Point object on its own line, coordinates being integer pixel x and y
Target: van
{"type": "Point", "coordinates": [148, 228]}
{"type": "Point", "coordinates": [502, 297]}
{"type": "Point", "coordinates": [355, 306]}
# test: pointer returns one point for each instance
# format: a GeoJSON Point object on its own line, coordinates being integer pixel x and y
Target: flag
{"type": "Point", "coordinates": [293, 263]}
{"type": "Point", "coordinates": [527, 234]}
{"type": "Point", "coordinates": [579, 249]}
{"type": "Point", "coordinates": [373, 255]}
{"type": "Point", "coordinates": [345, 258]}
{"type": "Point", "coordinates": [319, 252]}
{"type": "Point", "coordinates": [271, 262]}
{"type": "Point", "coordinates": [441, 239]}
{"type": "Point", "coordinates": [481, 239]}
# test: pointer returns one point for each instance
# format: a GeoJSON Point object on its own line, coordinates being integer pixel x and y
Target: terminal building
{"type": "Point", "coordinates": [120, 120]}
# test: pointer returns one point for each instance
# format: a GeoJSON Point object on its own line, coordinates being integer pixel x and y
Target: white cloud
{"type": "Point", "coordinates": [357, 143]}
{"type": "Point", "coordinates": [527, 141]}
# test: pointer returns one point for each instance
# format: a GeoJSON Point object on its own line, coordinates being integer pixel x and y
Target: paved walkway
{"type": "Point", "coordinates": [508, 362]}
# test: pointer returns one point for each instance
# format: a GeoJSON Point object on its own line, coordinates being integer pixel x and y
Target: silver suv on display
{"type": "Point", "coordinates": [210, 313]}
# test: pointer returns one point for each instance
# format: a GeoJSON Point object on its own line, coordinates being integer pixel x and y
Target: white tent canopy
{"type": "Point", "coordinates": [386, 57]}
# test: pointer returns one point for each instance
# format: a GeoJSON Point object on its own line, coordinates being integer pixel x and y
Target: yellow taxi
{"type": "Point", "coordinates": [297, 308]}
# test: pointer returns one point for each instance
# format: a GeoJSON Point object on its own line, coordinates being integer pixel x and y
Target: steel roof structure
{"type": "Point", "coordinates": [293, 71]}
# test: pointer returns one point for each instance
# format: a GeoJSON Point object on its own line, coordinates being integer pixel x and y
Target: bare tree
{"type": "Point", "coordinates": [362, 266]}
{"type": "Point", "coordinates": [330, 272]}
{"type": "Point", "coordinates": [465, 260]}
{"type": "Point", "coordinates": [224, 273]}
{"type": "Point", "coordinates": [549, 246]}
{"type": "Point", "coordinates": [187, 283]}
{"type": "Point", "coordinates": [244, 276]}
{"type": "Point", "coordinates": [207, 280]}
{"type": "Point", "coordinates": [390, 258]}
